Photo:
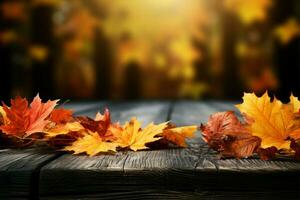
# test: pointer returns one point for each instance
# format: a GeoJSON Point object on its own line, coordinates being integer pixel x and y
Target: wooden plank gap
{"type": "Point", "coordinates": [35, 177]}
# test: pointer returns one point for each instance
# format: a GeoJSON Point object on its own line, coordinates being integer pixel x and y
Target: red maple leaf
{"type": "Point", "coordinates": [24, 120]}
{"type": "Point", "coordinates": [61, 116]}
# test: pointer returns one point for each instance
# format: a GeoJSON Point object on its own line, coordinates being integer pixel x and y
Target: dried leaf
{"type": "Point", "coordinates": [135, 138]}
{"type": "Point", "coordinates": [295, 145]}
{"type": "Point", "coordinates": [227, 135]}
{"type": "Point", "coordinates": [178, 135]}
{"type": "Point", "coordinates": [268, 153]}
{"type": "Point", "coordinates": [92, 144]}
{"type": "Point", "coordinates": [220, 124]}
{"type": "Point", "coordinates": [101, 124]}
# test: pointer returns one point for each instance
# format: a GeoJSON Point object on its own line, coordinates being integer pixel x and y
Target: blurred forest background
{"type": "Point", "coordinates": [149, 49]}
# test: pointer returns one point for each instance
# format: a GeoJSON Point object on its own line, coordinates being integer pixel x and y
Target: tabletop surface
{"type": "Point", "coordinates": [195, 172]}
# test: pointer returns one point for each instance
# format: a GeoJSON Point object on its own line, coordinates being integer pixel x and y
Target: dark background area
{"type": "Point", "coordinates": [33, 56]}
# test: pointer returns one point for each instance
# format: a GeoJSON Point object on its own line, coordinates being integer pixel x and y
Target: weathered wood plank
{"type": "Point", "coordinates": [82, 107]}
{"type": "Point", "coordinates": [18, 169]}
{"type": "Point", "coordinates": [192, 112]}
{"type": "Point", "coordinates": [74, 175]}
{"type": "Point", "coordinates": [169, 169]}
{"type": "Point", "coordinates": [82, 174]}
{"type": "Point", "coordinates": [183, 195]}
{"type": "Point", "coordinates": [151, 111]}
{"type": "Point", "coordinates": [222, 106]}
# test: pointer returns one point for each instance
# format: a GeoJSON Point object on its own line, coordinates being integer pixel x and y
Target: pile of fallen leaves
{"type": "Point", "coordinates": [24, 125]}
{"type": "Point", "coordinates": [269, 128]}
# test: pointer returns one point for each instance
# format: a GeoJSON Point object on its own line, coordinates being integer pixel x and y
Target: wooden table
{"type": "Point", "coordinates": [191, 173]}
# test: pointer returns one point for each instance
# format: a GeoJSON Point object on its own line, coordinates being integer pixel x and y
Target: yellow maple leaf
{"type": "Point", "coordinates": [287, 31]}
{"type": "Point", "coordinates": [136, 138]}
{"type": "Point", "coordinates": [92, 144]}
{"type": "Point", "coordinates": [272, 120]}
{"type": "Point", "coordinates": [178, 135]}
{"type": "Point", "coordinates": [63, 129]}
{"type": "Point", "coordinates": [295, 103]}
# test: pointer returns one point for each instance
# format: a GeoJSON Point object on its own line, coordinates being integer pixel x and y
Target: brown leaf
{"type": "Point", "coordinates": [267, 153]}
{"type": "Point", "coordinates": [295, 145]}
{"type": "Point", "coordinates": [227, 135]}
{"type": "Point", "coordinates": [101, 125]}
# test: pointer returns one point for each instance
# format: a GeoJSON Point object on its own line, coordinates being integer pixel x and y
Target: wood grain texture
{"type": "Point", "coordinates": [151, 111]}
{"type": "Point", "coordinates": [82, 107]}
{"type": "Point", "coordinates": [182, 195]}
{"type": "Point", "coordinates": [18, 169]}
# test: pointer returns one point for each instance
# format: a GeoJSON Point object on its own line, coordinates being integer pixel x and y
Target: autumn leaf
{"type": "Point", "coordinates": [92, 144]}
{"type": "Point", "coordinates": [3, 117]}
{"type": "Point", "coordinates": [38, 112]}
{"type": "Point", "coordinates": [268, 153]}
{"type": "Point", "coordinates": [295, 145]}
{"type": "Point", "coordinates": [272, 120]}
{"type": "Point", "coordinates": [62, 129]}
{"type": "Point", "coordinates": [178, 135]}
{"type": "Point", "coordinates": [136, 138]}
{"type": "Point", "coordinates": [23, 120]}
{"type": "Point", "coordinates": [101, 124]}
{"type": "Point", "coordinates": [16, 115]}
{"type": "Point", "coordinates": [227, 135]}
{"type": "Point", "coordinates": [220, 124]}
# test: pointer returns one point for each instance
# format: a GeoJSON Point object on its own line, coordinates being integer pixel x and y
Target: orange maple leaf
{"type": "Point", "coordinates": [178, 135]}
{"type": "Point", "coordinates": [24, 120]}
